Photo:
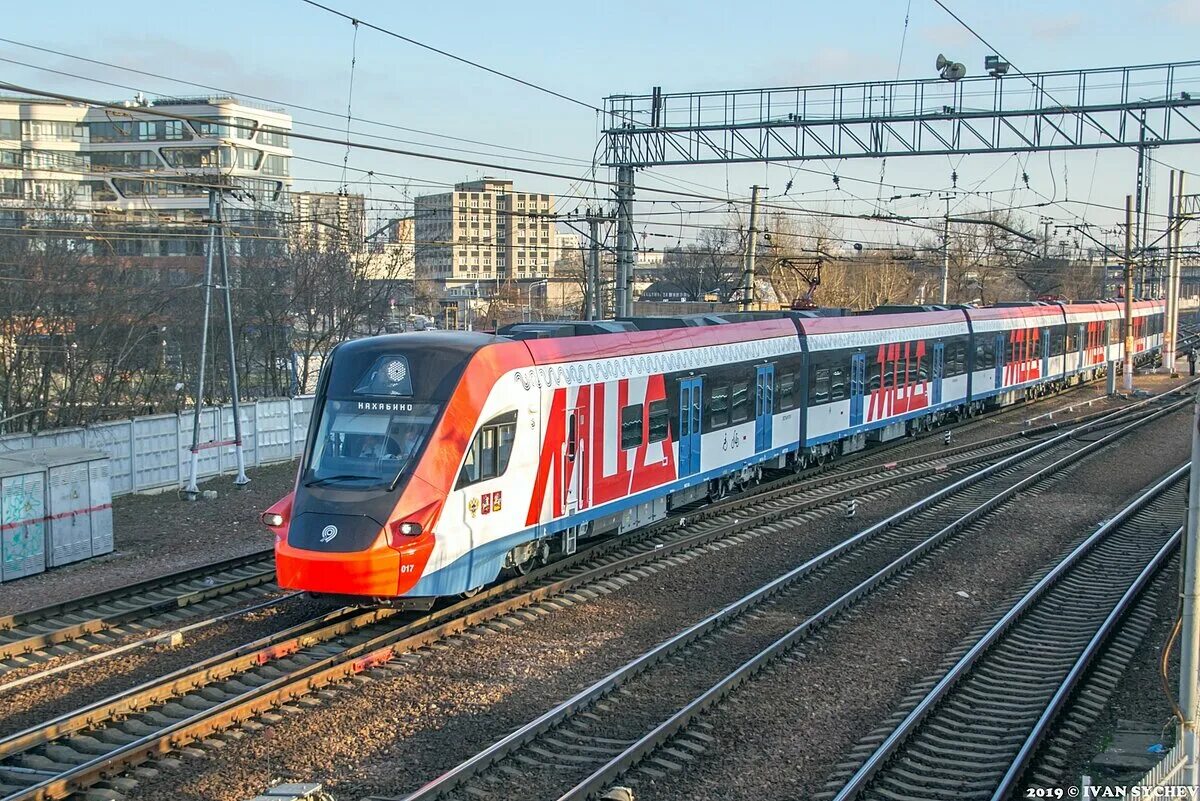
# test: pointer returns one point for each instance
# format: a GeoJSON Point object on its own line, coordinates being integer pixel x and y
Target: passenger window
{"type": "Point", "coordinates": [821, 387]}
{"type": "Point", "coordinates": [490, 450]}
{"type": "Point", "coordinates": [631, 426]}
{"type": "Point", "coordinates": [837, 383]}
{"type": "Point", "coordinates": [784, 396]}
{"type": "Point", "coordinates": [719, 406]}
{"type": "Point", "coordinates": [658, 420]}
{"type": "Point", "coordinates": [741, 402]}
{"type": "Point", "coordinates": [873, 384]}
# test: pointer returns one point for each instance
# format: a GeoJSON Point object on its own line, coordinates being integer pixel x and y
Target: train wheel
{"type": "Point", "coordinates": [471, 593]}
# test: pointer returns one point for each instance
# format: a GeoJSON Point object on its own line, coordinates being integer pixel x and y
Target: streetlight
{"type": "Point", "coordinates": [529, 297]}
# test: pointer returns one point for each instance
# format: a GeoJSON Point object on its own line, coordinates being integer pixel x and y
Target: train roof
{"type": "Point", "coordinates": [1002, 318]}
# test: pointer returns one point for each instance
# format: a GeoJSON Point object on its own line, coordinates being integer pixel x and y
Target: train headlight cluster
{"type": "Point", "coordinates": [272, 519]}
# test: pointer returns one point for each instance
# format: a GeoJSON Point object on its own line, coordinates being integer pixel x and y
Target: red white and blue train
{"type": "Point", "coordinates": [436, 460]}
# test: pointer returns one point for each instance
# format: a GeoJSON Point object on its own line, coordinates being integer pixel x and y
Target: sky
{"type": "Point", "coordinates": [294, 54]}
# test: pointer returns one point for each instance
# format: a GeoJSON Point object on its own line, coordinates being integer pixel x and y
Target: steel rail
{"type": "Point", "coordinates": [680, 719]}
{"type": "Point", "coordinates": [284, 644]}
{"type": "Point", "coordinates": [382, 648]}
{"type": "Point", "coordinates": [586, 697]}
{"type": "Point", "coordinates": [146, 585]}
{"type": "Point", "coordinates": [44, 632]}
{"type": "Point", "coordinates": [457, 618]}
{"type": "Point", "coordinates": [918, 714]}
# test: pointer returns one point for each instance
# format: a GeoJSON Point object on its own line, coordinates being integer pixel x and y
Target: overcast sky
{"type": "Point", "coordinates": [292, 53]}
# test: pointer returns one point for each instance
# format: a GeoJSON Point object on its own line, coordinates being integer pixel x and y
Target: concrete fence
{"type": "Point", "coordinates": [153, 452]}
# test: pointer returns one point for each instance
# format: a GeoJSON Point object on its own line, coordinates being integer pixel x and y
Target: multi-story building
{"type": "Point", "coordinates": [322, 220]}
{"type": "Point", "coordinates": [390, 251]}
{"type": "Point", "coordinates": [129, 170]}
{"type": "Point", "coordinates": [481, 235]}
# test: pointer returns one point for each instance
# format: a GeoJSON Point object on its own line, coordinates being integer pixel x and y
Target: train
{"type": "Point", "coordinates": [437, 462]}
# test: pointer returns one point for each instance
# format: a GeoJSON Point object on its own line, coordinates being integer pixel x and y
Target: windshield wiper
{"type": "Point", "coordinates": [399, 475]}
{"type": "Point", "coordinates": [346, 477]}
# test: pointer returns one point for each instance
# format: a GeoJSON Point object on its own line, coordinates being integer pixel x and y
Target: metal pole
{"type": "Point", "coordinates": [623, 303]}
{"type": "Point", "coordinates": [1189, 644]}
{"type": "Point", "coordinates": [192, 491]}
{"type": "Point", "coordinates": [945, 261]}
{"type": "Point", "coordinates": [751, 250]}
{"type": "Point", "coordinates": [1168, 347]}
{"type": "Point", "coordinates": [1141, 185]}
{"type": "Point", "coordinates": [240, 480]}
{"type": "Point", "coordinates": [1176, 248]}
{"type": "Point", "coordinates": [596, 302]}
{"type": "Point", "coordinates": [1128, 363]}
{"type": "Point", "coordinates": [946, 255]}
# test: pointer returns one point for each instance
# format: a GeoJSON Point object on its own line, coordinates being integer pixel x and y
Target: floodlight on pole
{"type": "Point", "coordinates": [950, 70]}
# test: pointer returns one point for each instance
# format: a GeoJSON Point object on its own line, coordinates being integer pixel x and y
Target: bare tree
{"type": "Point", "coordinates": [712, 266]}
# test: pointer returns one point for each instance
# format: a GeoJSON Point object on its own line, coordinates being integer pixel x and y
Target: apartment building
{"type": "Point", "coordinates": [129, 170]}
{"type": "Point", "coordinates": [390, 251]}
{"type": "Point", "coordinates": [482, 234]}
{"type": "Point", "coordinates": [322, 220]}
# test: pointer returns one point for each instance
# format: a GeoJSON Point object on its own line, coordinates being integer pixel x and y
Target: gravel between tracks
{"type": "Point", "coordinates": [65, 692]}
{"type": "Point", "coordinates": [1139, 695]}
{"type": "Point", "coordinates": [159, 534]}
{"type": "Point", "coordinates": [391, 735]}
{"type": "Point", "coordinates": [457, 700]}
{"type": "Point", "coordinates": [789, 729]}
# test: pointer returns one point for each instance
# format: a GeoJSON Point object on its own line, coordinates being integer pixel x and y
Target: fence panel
{"type": "Point", "coordinates": [274, 437]}
{"type": "Point", "coordinates": [16, 442]}
{"type": "Point", "coordinates": [156, 443]}
{"type": "Point", "coordinates": [114, 439]}
{"type": "Point", "coordinates": [154, 451]}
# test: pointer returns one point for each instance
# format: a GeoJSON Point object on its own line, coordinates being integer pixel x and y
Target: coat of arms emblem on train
{"type": "Point", "coordinates": [328, 533]}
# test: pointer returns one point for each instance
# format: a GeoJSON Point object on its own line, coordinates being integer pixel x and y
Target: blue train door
{"type": "Point", "coordinates": [1082, 346]}
{"type": "Point", "coordinates": [1045, 352]}
{"type": "Point", "coordinates": [858, 385]}
{"type": "Point", "coordinates": [939, 367]}
{"type": "Point", "coordinates": [999, 360]}
{"type": "Point", "coordinates": [690, 399]}
{"type": "Point", "coordinates": [764, 407]}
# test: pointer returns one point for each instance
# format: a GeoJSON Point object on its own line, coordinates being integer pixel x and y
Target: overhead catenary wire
{"type": "Point", "coordinates": [455, 57]}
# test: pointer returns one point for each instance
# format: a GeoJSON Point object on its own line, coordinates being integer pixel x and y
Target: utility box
{"type": "Point", "coordinates": [22, 519]}
{"type": "Point", "coordinates": [78, 502]}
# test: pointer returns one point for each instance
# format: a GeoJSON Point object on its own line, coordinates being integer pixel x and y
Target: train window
{"type": "Point", "coordinates": [985, 359]}
{"type": "Point", "coordinates": [490, 450]}
{"type": "Point", "coordinates": [718, 406]}
{"type": "Point", "coordinates": [837, 383]}
{"type": "Point", "coordinates": [956, 360]}
{"type": "Point", "coordinates": [631, 426]}
{"type": "Point", "coordinates": [659, 417]}
{"type": "Point", "coordinates": [1072, 338]}
{"type": "Point", "coordinates": [363, 445]}
{"type": "Point", "coordinates": [741, 402]}
{"type": "Point", "coordinates": [785, 391]}
{"type": "Point", "coordinates": [820, 386]}
{"type": "Point", "coordinates": [873, 376]}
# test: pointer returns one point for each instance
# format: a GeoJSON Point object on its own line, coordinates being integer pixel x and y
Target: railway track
{"type": "Point", "coordinates": [81, 749]}
{"type": "Point", "coordinates": [638, 716]}
{"type": "Point", "coordinates": [973, 732]}
{"type": "Point", "coordinates": [96, 625]}
{"type": "Point", "coordinates": [100, 620]}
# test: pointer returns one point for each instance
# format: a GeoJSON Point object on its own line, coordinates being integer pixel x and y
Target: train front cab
{"type": "Point", "coordinates": [370, 489]}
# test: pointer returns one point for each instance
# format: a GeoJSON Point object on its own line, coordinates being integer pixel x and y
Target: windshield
{"type": "Point", "coordinates": [367, 443]}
